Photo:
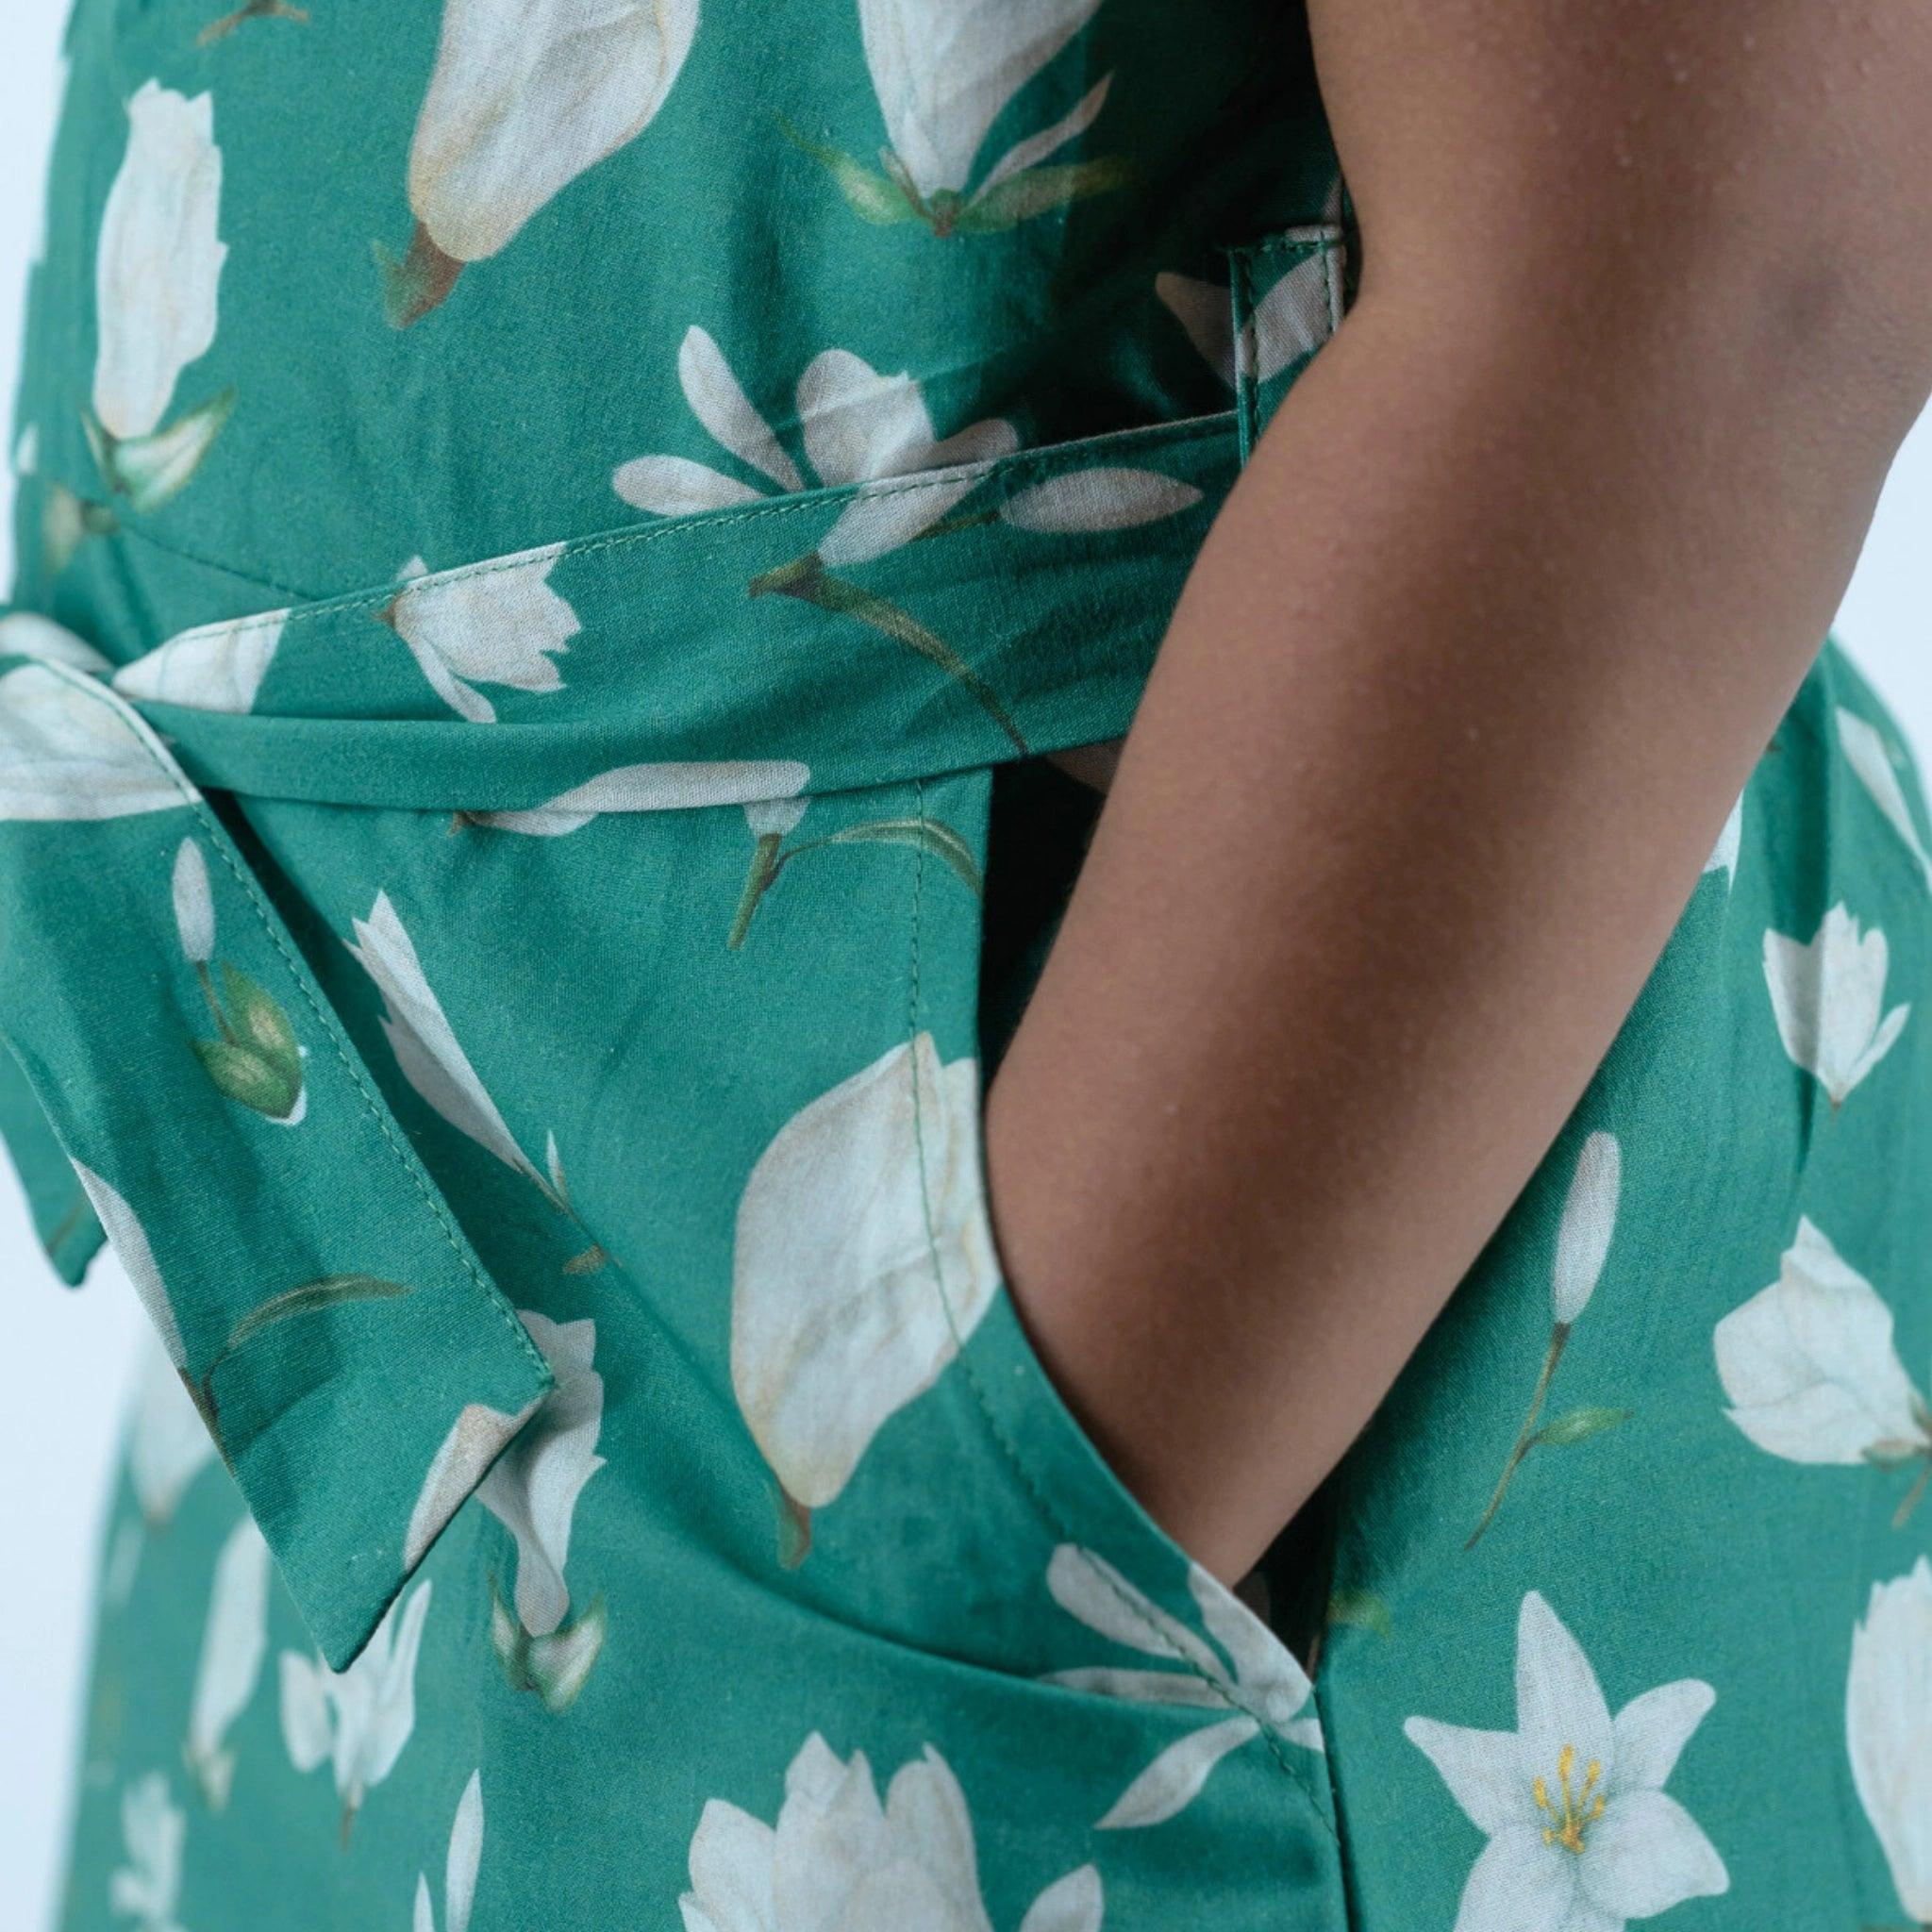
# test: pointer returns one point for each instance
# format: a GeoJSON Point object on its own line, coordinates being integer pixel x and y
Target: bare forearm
{"type": "Point", "coordinates": [1467, 676]}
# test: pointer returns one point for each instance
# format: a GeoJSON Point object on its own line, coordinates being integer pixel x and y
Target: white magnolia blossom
{"type": "Point", "coordinates": [525, 96]}
{"type": "Point", "coordinates": [1588, 1227]}
{"type": "Point", "coordinates": [232, 1649]}
{"type": "Point", "coordinates": [669, 787]}
{"type": "Point", "coordinates": [34, 635]}
{"type": "Point", "coordinates": [837, 1318]}
{"type": "Point", "coordinates": [69, 750]}
{"type": "Point", "coordinates": [502, 624]}
{"type": "Point", "coordinates": [168, 1444]}
{"type": "Point", "coordinates": [1888, 1730]}
{"type": "Point", "coordinates": [1582, 1836]}
{"type": "Point", "coordinates": [838, 1857]}
{"type": "Point", "coordinates": [1828, 999]}
{"type": "Point", "coordinates": [194, 906]}
{"type": "Point", "coordinates": [775, 817]}
{"type": "Point", "coordinates": [459, 1865]}
{"type": "Point", "coordinates": [158, 260]}
{"type": "Point", "coordinates": [1291, 320]}
{"type": "Point", "coordinates": [1865, 751]}
{"type": "Point", "coordinates": [215, 667]}
{"type": "Point", "coordinates": [1107, 496]}
{"type": "Point", "coordinates": [359, 1719]}
{"type": "Point", "coordinates": [1730, 842]}
{"type": "Point", "coordinates": [154, 1828]}
{"type": "Point", "coordinates": [1809, 1364]}
{"type": "Point", "coordinates": [858, 425]}
{"type": "Point", "coordinates": [944, 70]}
{"type": "Point", "coordinates": [532, 1488]}
{"type": "Point", "coordinates": [419, 1035]}
{"type": "Point", "coordinates": [1250, 1684]}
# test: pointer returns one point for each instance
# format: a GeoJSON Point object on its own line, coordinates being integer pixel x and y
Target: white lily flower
{"type": "Point", "coordinates": [158, 260]}
{"type": "Point", "coordinates": [168, 1444]}
{"type": "Point", "coordinates": [1889, 1729]}
{"type": "Point", "coordinates": [837, 1857]}
{"type": "Point", "coordinates": [1827, 998]}
{"type": "Point", "coordinates": [1865, 752]}
{"type": "Point", "coordinates": [125, 1233]}
{"type": "Point", "coordinates": [669, 787]}
{"type": "Point", "coordinates": [858, 427]}
{"type": "Point", "coordinates": [359, 1719]}
{"type": "Point", "coordinates": [1730, 842]}
{"type": "Point", "coordinates": [1291, 320]}
{"type": "Point", "coordinates": [1587, 1228]}
{"type": "Point", "coordinates": [532, 1488]}
{"type": "Point", "coordinates": [194, 906]}
{"type": "Point", "coordinates": [500, 626]}
{"type": "Point", "coordinates": [460, 1866]}
{"type": "Point", "coordinates": [944, 70]}
{"type": "Point", "coordinates": [525, 96]}
{"type": "Point", "coordinates": [477, 1436]}
{"type": "Point", "coordinates": [1809, 1364]}
{"type": "Point", "coordinates": [420, 1036]}
{"type": "Point", "coordinates": [232, 1649]}
{"type": "Point", "coordinates": [1582, 1836]}
{"type": "Point", "coordinates": [1251, 1683]}
{"type": "Point", "coordinates": [837, 1317]}
{"type": "Point", "coordinates": [154, 1829]}
{"type": "Point", "coordinates": [215, 667]}
{"type": "Point", "coordinates": [34, 635]}
{"type": "Point", "coordinates": [67, 752]}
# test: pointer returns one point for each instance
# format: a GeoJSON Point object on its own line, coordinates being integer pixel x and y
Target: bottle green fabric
{"type": "Point", "coordinates": [552, 541]}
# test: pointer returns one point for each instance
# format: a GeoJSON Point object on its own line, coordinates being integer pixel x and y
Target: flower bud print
{"type": "Point", "coordinates": [522, 101]}
{"type": "Point", "coordinates": [156, 268]}
{"type": "Point", "coordinates": [195, 910]}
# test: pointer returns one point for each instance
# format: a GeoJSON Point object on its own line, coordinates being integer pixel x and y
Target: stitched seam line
{"type": "Point", "coordinates": [1048, 1512]}
{"type": "Point", "coordinates": [1008, 469]}
{"type": "Point", "coordinates": [372, 1106]}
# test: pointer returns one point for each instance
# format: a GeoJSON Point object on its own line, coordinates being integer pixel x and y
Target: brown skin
{"type": "Point", "coordinates": [1465, 680]}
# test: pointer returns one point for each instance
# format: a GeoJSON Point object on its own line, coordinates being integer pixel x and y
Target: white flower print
{"type": "Point", "coordinates": [1730, 842]}
{"type": "Point", "coordinates": [1256, 1686]}
{"type": "Point", "coordinates": [216, 667]}
{"type": "Point", "coordinates": [1866, 752]}
{"type": "Point", "coordinates": [500, 626]}
{"type": "Point", "coordinates": [232, 1649]}
{"type": "Point", "coordinates": [669, 787]}
{"type": "Point", "coordinates": [67, 752]}
{"type": "Point", "coordinates": [1811, 1370]}
{"type": "Point", "coordinates": [1584, 1235]}
{"type": "Point", "coordinates": [122, 1227]}
{"type": "Point", "coordinates": [477, 1438]}
{"type": "Point", "coordinates": [154, 1829]}
{"type": "Point", "coordinates": [1105, 497]}
{"type": "Point", "coordinates": [359, 1719]}
{"type": "Point", "coordinates": [526, 95]}
{"type": "Point", "coordinates": [194, 909]}
{"type": "Point", "coordinates": [1828, 999]}
{"type": "Point", "coordinates": [157, 269]}
{"type": "Point", "coordinates": [858, 426]}
{"type": "Point", "coordinates": [168, 1444]}
{"type": "Point", "coordinates": [460, 1866]}
{"type": "Point", "coordinates": [1582, 1836]}
{"type": "Point", "coordinates": [532, 1490]}
{"type": "Point", "coordinates": [1888, 1730]}
{"type": "Point", "coordinates": [944, 72]}
{"type": "Point", "coordinates": [34, 635]}
{"type": "Point", "coordinates": [863, 1261]}
{"type": "Point", "coordinates": [434, 1063]}
{"type": "Point", "coordinates": [838, 1857]}
{"type": "Point", "coordinates": [1291, 320]}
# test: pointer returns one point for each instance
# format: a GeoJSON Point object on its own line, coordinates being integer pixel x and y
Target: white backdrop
{"type": "Point", "coordinates": [69, 1355]}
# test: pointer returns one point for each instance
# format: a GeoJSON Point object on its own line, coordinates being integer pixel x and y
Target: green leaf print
{"type": "Point", "coordinates": [1578, 1424]}
{"type": "Point", "coordinates": [807, 580]}
{"type": "Point", "coordinates": [1037, 192]}
{"type": "Point", "coordinates": [1360, 1610]}
{"type": "Point", "coordinates": [870, 195]}
{"type": "Point", "coordinates": [250, 9]}
{"type": "Point", "coordinates": [149, 470]}
{"type": "Point", "coordinates": [940, 841]}
{"type": "Point", "coordinates": [250, 1079]}
{"type": "Point", "coordinates": [553, 1666]}
{"type": "Point", "coordinates": [326, 1291]}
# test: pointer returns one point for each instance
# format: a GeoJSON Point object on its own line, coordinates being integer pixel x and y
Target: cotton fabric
{"type": "Point", "coordinates": [553, 540]}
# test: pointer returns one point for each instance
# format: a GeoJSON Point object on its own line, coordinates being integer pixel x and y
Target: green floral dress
{"type": "Point", "coordinates": [555, 541]}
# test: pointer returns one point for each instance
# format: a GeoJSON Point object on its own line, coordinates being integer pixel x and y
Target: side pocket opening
{"type": "Point", "coordinates": [1287, 292]}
